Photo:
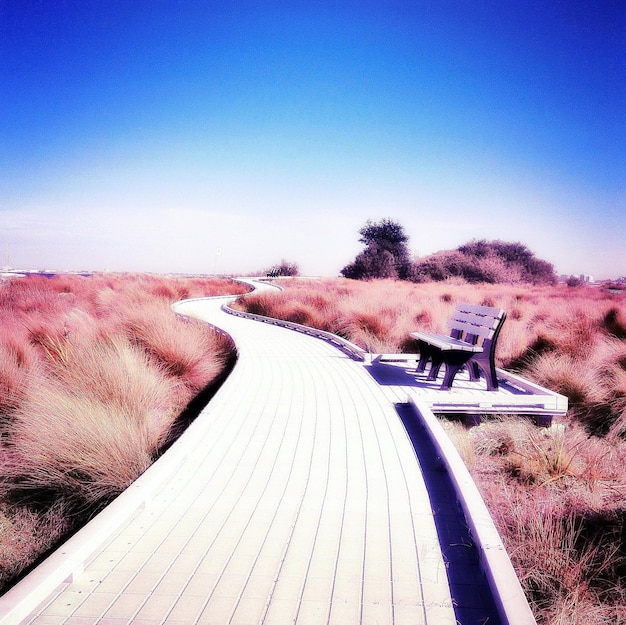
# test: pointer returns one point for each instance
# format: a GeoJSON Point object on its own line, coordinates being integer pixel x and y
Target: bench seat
{"type": "Point", "coordinates": [471, 344]}
{"type": "Point", "coordinates": [446, 342]}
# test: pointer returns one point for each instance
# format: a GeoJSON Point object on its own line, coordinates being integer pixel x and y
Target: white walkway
{"type": "Point", "coordinates": [299, 500]}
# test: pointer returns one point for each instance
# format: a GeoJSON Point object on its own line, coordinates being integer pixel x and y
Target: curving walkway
{"type": "Point", "coordinates": [295, 497]}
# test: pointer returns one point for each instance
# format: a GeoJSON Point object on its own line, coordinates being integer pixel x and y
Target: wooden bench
{"type": "Point", "coordinates": [471, 343]}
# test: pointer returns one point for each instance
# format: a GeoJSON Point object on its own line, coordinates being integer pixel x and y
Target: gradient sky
{"type": "Point", "coordinates": [145, 135]}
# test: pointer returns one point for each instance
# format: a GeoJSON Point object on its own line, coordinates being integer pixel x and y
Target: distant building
{"type": "Point", "coordinates": [574, 280]}
{"type": "Point", "coordinates": [582, 278]}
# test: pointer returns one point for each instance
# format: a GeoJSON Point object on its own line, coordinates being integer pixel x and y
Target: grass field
{"type": "Point", "coordinates": [95, 373]}
{"type": "Point", "coordinates": [557, 495]}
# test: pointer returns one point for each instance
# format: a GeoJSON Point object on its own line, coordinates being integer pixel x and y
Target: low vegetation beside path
{"type": "Point", "coordinates": [95, 373]}
{"type": "Point", "coordinates": [558, 495]}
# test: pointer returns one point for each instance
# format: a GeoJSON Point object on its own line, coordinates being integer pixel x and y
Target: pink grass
{"type": "Point", "coordinates": [25, 535]}
{"type": "Point", "coordinates": [178, 347]}
{"type": "Point", "coordinates": [557, 498]}
{"type": "Point", "coordinates": [76, 446]}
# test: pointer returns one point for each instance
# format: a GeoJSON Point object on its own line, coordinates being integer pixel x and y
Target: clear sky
{"type": "Point", "coordinates": [144, 135]}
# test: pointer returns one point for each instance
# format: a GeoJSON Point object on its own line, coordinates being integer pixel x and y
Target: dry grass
{"type": "Point", "coordinates": [177, 347]}
{"type": "Point", "coordinates": [94, 373]}
{"type": "Point", "coordinates": [90, 450]}
{"type": "Point", "coordinates": [557, 495]}
{"type": "Point", "coordinates": [25, 534]}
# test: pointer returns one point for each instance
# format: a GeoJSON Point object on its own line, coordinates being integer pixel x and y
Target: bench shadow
{"type": "Point", "coordinates": [403, 374]}
{"type": "Point", "coordinates": [393, 375]}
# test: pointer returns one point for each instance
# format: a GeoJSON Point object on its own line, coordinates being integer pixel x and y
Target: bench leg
{"type": "Point", "coordinates": [448, 378]}
{"type": "Point", "coordinates": [492, 380]}
{"type": "Point", "coordinates": [454, 361]}
{"type": "Point", "coordinates": [435, 366]}
{"type": "Point", "coordinates": [489, 370]}
{"type": "Point", "coordinates": [433, 374]}
{"type": "Point", "coordinates": [425, 355]}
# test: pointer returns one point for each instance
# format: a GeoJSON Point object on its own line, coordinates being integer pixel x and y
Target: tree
{"type": "Point", "coordinates": [386, 254]}
{"type": "Point", "coordinates": [372, 262]}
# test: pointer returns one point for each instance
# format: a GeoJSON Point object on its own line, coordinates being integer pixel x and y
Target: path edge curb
{"type": "Point", "coordinates": [505, 586]}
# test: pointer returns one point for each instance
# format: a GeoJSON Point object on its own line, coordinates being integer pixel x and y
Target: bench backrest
{"type": "Point", "coordinates": [477, 325]}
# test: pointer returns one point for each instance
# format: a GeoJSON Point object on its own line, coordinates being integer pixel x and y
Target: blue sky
{"type": "Point", "coordinates": [146, 135]}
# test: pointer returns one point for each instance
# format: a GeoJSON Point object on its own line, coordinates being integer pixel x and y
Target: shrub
{"type": "Point", "coordinates": [372, 262]}
{"type": "Point", "coordinates": [284, 268]}
{"type": "Point", "coordinates": [485, 261]}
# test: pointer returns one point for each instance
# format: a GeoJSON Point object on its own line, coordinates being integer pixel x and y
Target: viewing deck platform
{"type": "Point", "coordinates": [396, 374]}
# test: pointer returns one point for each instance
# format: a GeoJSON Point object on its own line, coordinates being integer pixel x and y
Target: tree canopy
{"type": "Point", "coordinates": [386, 253]}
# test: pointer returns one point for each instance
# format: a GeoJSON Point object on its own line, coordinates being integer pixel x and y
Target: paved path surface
{"type": "Point", "coordinates": [301, 501]}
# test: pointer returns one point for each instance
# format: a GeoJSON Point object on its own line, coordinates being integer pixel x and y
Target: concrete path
{"type": "Point", "coordinates": [300, 500]}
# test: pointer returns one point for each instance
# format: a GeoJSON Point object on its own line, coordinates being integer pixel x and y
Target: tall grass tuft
{"type": "Point", "coordinates": [177, 347]}
{"type": "Point", "coordinates": [26, 534]}
{"type": "Point", "coordinates": [14, 367]}
{"type": "Point", "coordinates": [92, 452]}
